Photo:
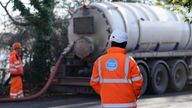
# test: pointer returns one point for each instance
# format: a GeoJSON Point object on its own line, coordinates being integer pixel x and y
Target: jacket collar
{"type": "Point", "coordinates": [117, 50]}
{"type": "Point", "coordinates": [13, 52]}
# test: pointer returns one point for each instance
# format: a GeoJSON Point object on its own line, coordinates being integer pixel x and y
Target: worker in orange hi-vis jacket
{"type": "Point", "coordinates": [116, 76]}
{"type": "Point", "coordinates": [16, 70]}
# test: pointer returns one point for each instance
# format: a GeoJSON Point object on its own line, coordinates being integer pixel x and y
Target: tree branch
{"type": "Point", "coordinates": [25, 12]}
{"type": "Point", "coordinates": [7, 3]}
{"type": "Point", "coordinates": [48, 3]}
{"type": "Point", "coordinates": [69, 8]}
{"type": "Point", "coordinates": [78, 2]}
{"type": "Point", "coordinates": [12, 19]}
{"type": "Point", "coordinates": [36, 5]}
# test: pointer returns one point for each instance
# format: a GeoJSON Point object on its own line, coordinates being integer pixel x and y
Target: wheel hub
{"type": "Point", "coordinates": [158, 79]}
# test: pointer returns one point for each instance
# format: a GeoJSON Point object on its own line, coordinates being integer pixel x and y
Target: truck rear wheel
{"type": "Point", "coordinates": [178, 76]}
{"type": "Point", "coordinates": [145, 77]}
{"type": "Point", "coordinates": [159, 79]}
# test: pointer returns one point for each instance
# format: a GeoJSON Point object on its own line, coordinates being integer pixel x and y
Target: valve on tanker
{"type": "Point", "coordinates": [83, 47]}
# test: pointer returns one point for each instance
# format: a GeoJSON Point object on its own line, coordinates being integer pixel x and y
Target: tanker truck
{"type": "Point", "coordinates": [159, 40]}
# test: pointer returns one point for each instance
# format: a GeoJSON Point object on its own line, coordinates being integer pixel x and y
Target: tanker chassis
{"type": "Point", "coordinates": [158, 39]}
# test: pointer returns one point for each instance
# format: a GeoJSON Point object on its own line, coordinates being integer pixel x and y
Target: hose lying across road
{"type": "Point", "coordinates": [43, 90]}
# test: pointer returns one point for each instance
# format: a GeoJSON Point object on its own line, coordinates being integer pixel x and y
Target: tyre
{"type": "Point", "coordinates": [159, 79]}
{"type": "Point", "coordinates": [178, 76]}
{"type": "Point", "coordinates": [145, 77]}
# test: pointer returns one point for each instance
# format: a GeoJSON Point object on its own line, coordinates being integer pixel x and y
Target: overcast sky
{"type": "Point", "coordinates": [4, 18]}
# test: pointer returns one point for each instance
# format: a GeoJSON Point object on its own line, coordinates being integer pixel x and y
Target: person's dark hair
{"type": "Point", "coordinates": [121, 45]}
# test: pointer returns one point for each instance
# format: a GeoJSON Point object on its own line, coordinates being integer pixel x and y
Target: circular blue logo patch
{"type": "Point", "coordinates": [111, 64]}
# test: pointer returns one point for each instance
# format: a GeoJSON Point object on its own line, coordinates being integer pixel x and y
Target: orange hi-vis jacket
{"type": "Point", "coordinates": [16, 65]}
{"type": "Point", "coordinates": [16, 70]}
{"type": "Point", "coordinates": [117, 79]}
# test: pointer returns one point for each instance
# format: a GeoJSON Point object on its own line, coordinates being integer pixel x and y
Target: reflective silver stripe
{"type": "Point", "coordinates": [20, 96]}
{"type": "Point", "coordinates": [137, 78]}
{"type": "Point", "coordinates": [13, 69]}
{"type": "Point", "coordinates": [12, 65]}
{"type": "Point", "coordinates": [99, 69]}
{"type": "Point", "coordinates": [94, 79]}
{"type": "Point", "coordinates": [13, 94]}
{"type": "Point", "coordinates": [126, 66]}
{"type": "Point", "coordinates": [18, 66]}
{"type": "Point", "coordinates": [16, 62]}
{"type": "Point", "coordinates": [116, 81]}
{"type": "Point", "coordinates": [20, 92]}
{"type": "Point", "coordinates": [126, 105]}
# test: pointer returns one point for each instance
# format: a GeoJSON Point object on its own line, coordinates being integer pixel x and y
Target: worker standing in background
{"type": "Point", "coordinates": [116, 76]}
{"type": "Point", "coordinates": [16, 71]}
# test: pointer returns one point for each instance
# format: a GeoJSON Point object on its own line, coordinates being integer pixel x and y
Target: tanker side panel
{"type": "Point", "coordinates": [162, 37]}
{"type": "Point", "coordinates": [156, 36]}
{"type": "Point", "coordinates": [150, 28]}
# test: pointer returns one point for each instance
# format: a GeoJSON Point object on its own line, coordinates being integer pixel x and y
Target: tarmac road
{"type": "Point", "coordinates": [168, 100]}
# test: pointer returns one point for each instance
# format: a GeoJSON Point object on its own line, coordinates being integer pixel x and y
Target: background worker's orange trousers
{"type": "Point", "coordinates": [16, 90]}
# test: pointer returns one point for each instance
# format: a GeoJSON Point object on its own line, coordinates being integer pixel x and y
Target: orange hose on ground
{"type": "Point", "coordinates": [43, 90]}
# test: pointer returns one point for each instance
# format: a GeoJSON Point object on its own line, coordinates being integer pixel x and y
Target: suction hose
{"type": "Point", "coordinates": [44, 89]}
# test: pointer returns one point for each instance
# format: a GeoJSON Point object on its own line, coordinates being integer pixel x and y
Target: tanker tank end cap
{"type": "Point", "coordinates": [119, 36]}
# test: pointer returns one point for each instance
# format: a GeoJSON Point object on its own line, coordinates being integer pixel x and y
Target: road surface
{"type": "Point", "coordinates": [169, 100]}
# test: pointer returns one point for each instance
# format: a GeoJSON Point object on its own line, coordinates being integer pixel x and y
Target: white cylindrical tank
{"type": "Point", "coordinates": [150, 28]}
